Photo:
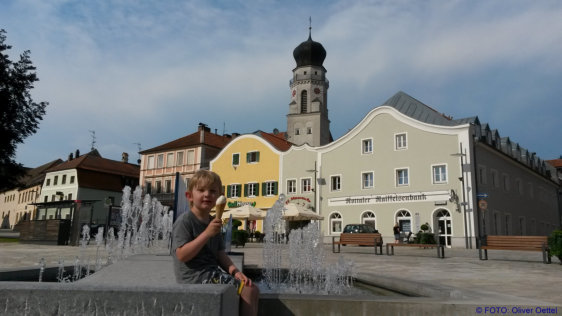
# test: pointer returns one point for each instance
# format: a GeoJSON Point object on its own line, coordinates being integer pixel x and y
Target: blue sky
{"type": "Point", "coordinates": [149, 71]}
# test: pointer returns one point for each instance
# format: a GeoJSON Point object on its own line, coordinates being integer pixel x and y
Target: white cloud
{"type": "Point", "coordinates": [140, 68]}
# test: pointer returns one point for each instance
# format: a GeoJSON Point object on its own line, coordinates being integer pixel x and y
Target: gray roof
{"type": "Point", "coordinates": [421, 112]}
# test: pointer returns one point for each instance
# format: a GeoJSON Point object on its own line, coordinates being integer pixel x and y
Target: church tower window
{"type": "Point", "coordinates": [304, 101]}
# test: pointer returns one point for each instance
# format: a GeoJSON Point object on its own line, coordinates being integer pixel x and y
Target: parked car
{"type": "Point", "coordinates": [359, 228]}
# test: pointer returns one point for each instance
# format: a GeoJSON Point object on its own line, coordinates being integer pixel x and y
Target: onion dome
{"type": "Point", "coordinates": [309, 53]}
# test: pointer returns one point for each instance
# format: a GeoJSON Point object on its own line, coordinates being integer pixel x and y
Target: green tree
{"type": "Point", "coordinates": [19, 115]}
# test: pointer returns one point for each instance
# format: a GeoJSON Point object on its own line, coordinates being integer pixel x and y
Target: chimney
{"type": "Point", "coordinates": [202, 129]}
{"type": "Point", "coordinates": [70, 157]}
{"type": "Point", "coordinates": [125, 157]}
{"type": "Point", "coordinates": [77, 153]}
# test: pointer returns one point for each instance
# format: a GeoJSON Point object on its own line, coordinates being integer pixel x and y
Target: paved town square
{"type": "Point", "coordinates": [508, 278]}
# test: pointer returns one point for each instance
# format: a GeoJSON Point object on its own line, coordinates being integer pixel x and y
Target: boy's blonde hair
{"type": "Point", "coordinates": [205, 179]}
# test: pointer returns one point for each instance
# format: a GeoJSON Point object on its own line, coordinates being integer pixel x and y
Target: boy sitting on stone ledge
{"type": "Point", "coordinates": [199, 248]}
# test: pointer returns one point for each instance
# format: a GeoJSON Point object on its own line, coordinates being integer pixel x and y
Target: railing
{"type": "Point", "coordinates": [309, 77]}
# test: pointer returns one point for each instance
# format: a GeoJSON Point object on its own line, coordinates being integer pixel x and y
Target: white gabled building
{"type": "Point", "coordinates": [78, 191]}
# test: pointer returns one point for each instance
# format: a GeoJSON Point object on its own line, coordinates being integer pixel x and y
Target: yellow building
{"type": "Point", "coordinates": [249, 169]}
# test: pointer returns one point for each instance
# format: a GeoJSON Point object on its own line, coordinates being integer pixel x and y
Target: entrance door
{"type": "Point", "coordinates": [444, 232]}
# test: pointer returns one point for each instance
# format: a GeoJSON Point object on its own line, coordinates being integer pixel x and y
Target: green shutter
{"type": "Point", "coordinates": [275, 187]}
{"type": "Point", "coordinates": [263, 189]}
{"type": "Point", "coordinates": [257, 156]}
{"type": "Point", "coordinates": [245, 189]}
{"type": "Point", "coordinates": [258, 189]}
{"type": "Point", "coordinates": [248, 157]}
{"type": "Point", "coordinates": [228, 191]}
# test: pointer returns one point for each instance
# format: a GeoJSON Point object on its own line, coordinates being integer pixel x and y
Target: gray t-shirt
{"type": "Point", "coordinates": [186, 228]}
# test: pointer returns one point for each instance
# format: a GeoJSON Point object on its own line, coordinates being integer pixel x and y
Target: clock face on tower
{"type": "Point", "coordinates": [317, 90]}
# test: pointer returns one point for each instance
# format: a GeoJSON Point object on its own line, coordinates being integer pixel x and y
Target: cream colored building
{"type": "Point", "coordinates": [406, 163]}
{"type": "Point", "coordinates": [18, 204]}
{"type": "Point", "coordinates": [8, 206]}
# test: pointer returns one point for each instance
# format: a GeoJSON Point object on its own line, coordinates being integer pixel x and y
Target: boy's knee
{"type": "Point", "coordinates": [251, 292]}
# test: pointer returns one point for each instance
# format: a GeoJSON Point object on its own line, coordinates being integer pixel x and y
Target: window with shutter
{"type": "Point", "coordinates": [253, 157]}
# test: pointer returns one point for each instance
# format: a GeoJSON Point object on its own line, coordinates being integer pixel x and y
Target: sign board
{"type": "Point", "coordinates": [482, 195]}
{"type": "Point", "coordinates": [483, 205]}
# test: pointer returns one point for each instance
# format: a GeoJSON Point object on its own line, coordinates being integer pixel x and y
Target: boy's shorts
{"type": "Point", "coordinates": [218, 276]}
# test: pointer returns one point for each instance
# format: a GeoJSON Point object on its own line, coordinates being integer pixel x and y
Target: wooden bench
{"type": "Point", "coordinates": [368, 239]}
{"type": "Point", "coordinates": [440, 248]}
{"type": "Point", "coordinates": [524, 243]}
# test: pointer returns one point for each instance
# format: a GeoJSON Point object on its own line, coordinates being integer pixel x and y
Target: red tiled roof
{"type": "Point", "coordinates": [99, 164]}
{"type": "Point", "coordinates": [193, 140]}
{"type": "Point", "coordinates": [556, 163]}
{"type": "Point", "coordinates": [276, 140]}
{"type": "Point", "coordinates": [37, 175]}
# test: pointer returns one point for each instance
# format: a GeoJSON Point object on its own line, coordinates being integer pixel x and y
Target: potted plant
{"type": "Point", "coordinates": [239, 237]}
{"type": "Point", "coordinates": [425, 236]}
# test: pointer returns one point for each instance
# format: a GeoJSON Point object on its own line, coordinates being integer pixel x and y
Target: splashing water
{"type": "Point", "coordinates": [110, 244]}
{"type": "Point", "coordinates": [306, 254]}
{"type": "Point", "coordinates": [77, 270]}
{"type": "Point", "coordinates": [41, 269]}
{"type": "Point", "coordinates": [60, 274]}
{"type": "Point", "coordinates": [99, 242]}
{"type": "Point", "coordinates": [146, 227]}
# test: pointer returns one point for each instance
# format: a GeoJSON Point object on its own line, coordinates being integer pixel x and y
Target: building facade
{"type": "Point", "coordinates": [17, 204]}
{"type": "Point", "coordinates": [79, 191]}
{"type": "Point", "coordinates": [184, 155]}
{"type": "Point", "coordinates": [520, 190]}
{"type": "Point", "coordinates": [406, 163]}
{"type": "Point", "coordinates": [249, 170]}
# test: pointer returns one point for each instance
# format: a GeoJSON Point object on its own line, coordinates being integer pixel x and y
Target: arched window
{"type": "Point", "coordinates": [304, 101]}
{"type": "Point", "coordinates": [335, 223]}
{"type": "Point", "coordinates": [444, 227]}
{"type": "Point", "coordinates": [368, 217]}
{"type": "Point", "coordinates": [404, 219]}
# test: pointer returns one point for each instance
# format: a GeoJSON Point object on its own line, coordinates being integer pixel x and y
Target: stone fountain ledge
{"type": "Point", "coordinates": [137, 285]}
{"type": "Point", "coordinates": [145, 284]}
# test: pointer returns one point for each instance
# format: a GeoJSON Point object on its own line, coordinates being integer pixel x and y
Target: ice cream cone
{"type": "Point", "coordinates": [219, 206]}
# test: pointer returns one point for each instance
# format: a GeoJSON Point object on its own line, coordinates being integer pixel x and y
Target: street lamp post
{"type": "Point", "coordinates": [468, 242]}
{"type": "Point", "coordinates": [315, 185]}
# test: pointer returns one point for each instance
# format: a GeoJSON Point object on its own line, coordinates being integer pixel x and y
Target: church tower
{"type": "Point", "coordinates": [307, 121]}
